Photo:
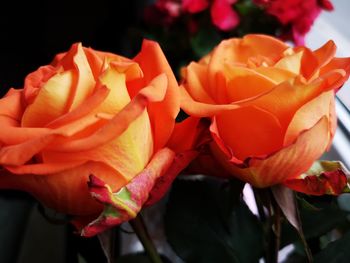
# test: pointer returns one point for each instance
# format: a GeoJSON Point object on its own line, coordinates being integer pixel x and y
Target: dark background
{"type": "Point", "coordinates": [32, 32]}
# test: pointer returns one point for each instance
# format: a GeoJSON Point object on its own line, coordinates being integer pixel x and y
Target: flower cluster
{"type": "Point", "coordinates": [222, 14]}
{"type": "Point", "coordinates": [93, 134]}
{"type": "Point", "coordinates": [295, 16]}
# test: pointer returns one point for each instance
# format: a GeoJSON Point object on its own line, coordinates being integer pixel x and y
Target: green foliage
{"type": "Point", "coordinates": [205, 224]}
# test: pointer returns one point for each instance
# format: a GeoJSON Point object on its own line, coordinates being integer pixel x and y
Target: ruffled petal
{"type": "Point", "coordinates": [162, 113]}
{"type": "Point", "coordinates": [57, 91]}
{"type": "Point", "coordinates": [196, 82]}
{"type": "Point", "coordinates": [309, 63]}
{"type": "Point", "coordinates": [325, 53]}
{"type": "Point", "coordinates": [308, 115]}
{"type": "Point", "coordinates": [21, 153]}
{"type": "Point", "coordinates": [35, 80]}
{"type": "Point", "coordinates": [342, 64]}
{"type": "Point", "coordinates": [285, 99]}
{"type": "Point", "coordinates": [11, 104]}
{"type": "Point", "coordinates": [186, 135]}
{"type": "Point", "coordinates": [324, 177]}
{"type": "Point", "coordinates": [124, 204]}
{"type": "Point", "coordinates": [293, 160]}
{"type": "Point", "coordinates": [89, 105]}
{"type": "Point", "coordinates": [121, 121]}
{"type": "Point", "coordinates": [291, 62]}
{"type": "Point", "coordinates": [199, 109]}
{"type": "Point", "coordinates": [275, 74]}
{"type": "Point", "coordinates": [11, 133]}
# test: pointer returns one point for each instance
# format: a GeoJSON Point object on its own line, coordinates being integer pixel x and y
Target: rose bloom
{"type": "Point", "coordinates": [91, 113]}
{"type": "Point", "coordinates": [270, 106]}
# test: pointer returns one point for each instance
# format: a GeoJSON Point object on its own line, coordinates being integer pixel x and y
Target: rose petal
{"type": "Point", "coordinates": [276, 74]}
{"type": "Point", "coordinates": [240, 50]}
{"type": "Point", "coordinates": [244, 83]}
{"type": "Point", "coordinates": [57, 91]}
{"type": "Point", "coordinates": [293, 160]}
{"type": "Point", "coordinates": [285, 99]}
{"type": "Point", "coordinates": [162, 112]}
{"type": "Point", "coordinates": [186, 134]}
{"type": "Point", "coordinates": [199, 109]}
{"type": "Point", "coordinates": [291, 63]}
{"type": "Point", "coordinates": [89, 105]}
{"type": "Point", "coordinates": [127, 202]}
{"type": "Point", "coordinates": [19, 154]}
{"type": "Point", "coordinates": [11, 133]}
{"type": "Point", "coordinates": [324, 177]}
{"type": "Point", "coordinates": [10, 104]}
{"type": "Point", "coordinates": [196, 81]}
{"type": "Point", "coordinates": [308, 115]}
{"type": "Point", "coordinates": [122, 120]}
{"type": "Point", "coordinates": [325, 53]}
{"type": "Point", "coordinates": [309, 63]}
{"type": "Point", "coordinates": [262, 136]}
{"type": "Point", "coordinates": [334, 64]}
{"type": "Point", "coordinates": [84, 79]}
{"type": "Point", "coordinates": [43, 168]}
{"type": "Point", "coordinates": [35, 80]}
{"type": "Point", "coordinates": [65, 191]}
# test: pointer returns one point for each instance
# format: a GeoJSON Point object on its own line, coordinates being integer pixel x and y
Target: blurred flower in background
{"type": "Point", "coordinates": [295, 16]}
{"type": "Point", "coordinates": [189, 29]}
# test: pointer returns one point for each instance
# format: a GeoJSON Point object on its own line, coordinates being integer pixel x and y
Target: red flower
{"type": "Point", "coordinates": [298, 14]}
{"type": "Point", "coordinates": [194, 6]}
{"type": "Point", "coordinates": [223, 16]}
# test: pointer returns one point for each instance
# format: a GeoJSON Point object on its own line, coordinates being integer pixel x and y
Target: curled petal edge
{"type": "Point", "coordinates": [324, 177]}
{"type": "Point", "coordinates": [125, 204]}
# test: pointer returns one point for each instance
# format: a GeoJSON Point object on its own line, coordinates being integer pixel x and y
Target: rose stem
{"type": "Point", "coordinates": [141, 231]}
{"type": "Point", "coordinates": [276, 229]}
{"type": "Point", "coordinates": [271, 222]}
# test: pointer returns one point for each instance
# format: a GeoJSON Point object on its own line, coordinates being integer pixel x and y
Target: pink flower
{"type": "Point", "coordinates": [298, 14]}
{"type": "Point", "coordinates": [223, 16]}
{"type": "Point", "coordinates": [194, 6]}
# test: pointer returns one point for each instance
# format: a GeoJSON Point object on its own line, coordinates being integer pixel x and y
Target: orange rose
{"type": "Point", "coordinates": [94, 114]}
{"type": "Point", "coordinates": [271, 106]}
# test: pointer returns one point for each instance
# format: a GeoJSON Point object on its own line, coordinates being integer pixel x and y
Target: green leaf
{"type": "Point", "coordinates": [320, 216]}
{"type": "Point", "coordinates": [336, 252]}
{"type": "Point", "coordinates": [203, 224]}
